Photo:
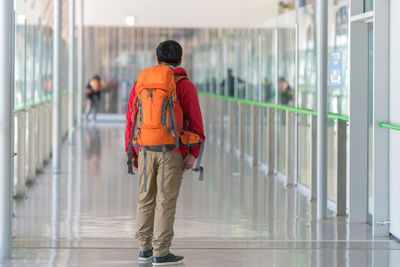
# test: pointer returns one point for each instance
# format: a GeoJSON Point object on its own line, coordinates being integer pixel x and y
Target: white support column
{"type": "Point", "coordinates": [57, 104]}
{"type": "Point", "coordinates": [80, 67]}
{"type": "Point", "coordinates": [6, 125]}
{"type": "Point", "coordinates": [381, 93]}
{"type": "Point", "coordinates": [322, 139]}
{"type": "Point", "coordinates": [71, 72]}
{"type": "Point", "coordinates": [358, 117]}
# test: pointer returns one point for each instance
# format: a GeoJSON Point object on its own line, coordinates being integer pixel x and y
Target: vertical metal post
{"type": "Point", "coordinates": [80, 67]}
{"type": "Point", "coordinates": [57, 104]}
{"type": "Point", "coordinates": [341, 168]}
{"type": "Point", "coordinates": [322, 140]}
{"type": "Point", "coordinates": [313, 164]}
{"type": "Point", "coordinates": [6, 119]}
{"type": "Point", "coordinates": [271, 141]}
{"type": "Point", "coordinates": [71, 72]}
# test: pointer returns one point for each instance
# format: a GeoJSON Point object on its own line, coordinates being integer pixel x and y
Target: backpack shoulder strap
{"type": "Point", "coordinates": [179, 78]}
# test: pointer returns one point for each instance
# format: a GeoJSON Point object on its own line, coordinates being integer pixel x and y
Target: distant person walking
{"type": "Point", "coordinates": [92, 97]}
{"type": "Point", "coordinates": [285, 92]}
{"type": "Point", "coordinates": [163, 131]}
{"type": "Point", "coordinates": [231, 84]}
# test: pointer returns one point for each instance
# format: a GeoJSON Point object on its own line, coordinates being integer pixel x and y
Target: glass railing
{"type": "Point", "coordinates": [331, 116]}
{"type": "Point", "coordinates": [252, 128]}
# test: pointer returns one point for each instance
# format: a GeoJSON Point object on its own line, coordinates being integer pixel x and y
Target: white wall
{"type": "Point", "coordinates": [182, 14]}
{"type": "Point", "coordinates": [394, 141]}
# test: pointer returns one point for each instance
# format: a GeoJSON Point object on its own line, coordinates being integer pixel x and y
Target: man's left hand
{"type": "Point", "coordinates": [191, 160]}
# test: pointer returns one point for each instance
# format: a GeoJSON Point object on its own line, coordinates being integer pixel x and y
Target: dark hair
{"type": "Point", "coordinates": [96, 77]}
{"type": "Point", "coordinates": [170, 52]}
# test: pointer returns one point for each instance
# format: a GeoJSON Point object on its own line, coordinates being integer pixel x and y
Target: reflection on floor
{"type": "Point", "coordinates": [238, 216]}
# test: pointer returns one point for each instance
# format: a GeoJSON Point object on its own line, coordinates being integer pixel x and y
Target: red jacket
{"type": "Point", "coordinates": [189, 100]}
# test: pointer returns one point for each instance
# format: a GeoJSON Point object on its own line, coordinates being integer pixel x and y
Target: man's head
{"type": "Point", "coordinates": [283, 84]}
{"type": "Point", "coordinates": [169, 52]}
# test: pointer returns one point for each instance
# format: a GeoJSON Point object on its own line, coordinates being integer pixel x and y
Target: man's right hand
{"type": "Point", "coordinates": [135, 164]}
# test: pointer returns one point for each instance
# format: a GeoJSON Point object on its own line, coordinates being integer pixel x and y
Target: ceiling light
{"type": "Point", "coordinates": [130, 20]}
{"type": "Point", "coordinates": [21, 19]}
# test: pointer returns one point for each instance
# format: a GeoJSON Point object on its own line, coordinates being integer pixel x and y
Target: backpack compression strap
{"type": "Point", "coordinates": [173, 120]}
{"type": "Point", "coordinates": [130, 144]}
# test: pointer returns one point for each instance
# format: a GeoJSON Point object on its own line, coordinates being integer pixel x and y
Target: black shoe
{"type": "Point", "coordinates": [170, 259]}
{"type": "Point", "coordinates": [146, 255]}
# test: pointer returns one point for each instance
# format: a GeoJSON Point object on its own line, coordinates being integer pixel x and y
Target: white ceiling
{"type": "Point", "coordinates": [180, 13]}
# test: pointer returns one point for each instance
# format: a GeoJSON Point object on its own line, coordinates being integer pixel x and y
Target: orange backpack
{"type": "Point", "coordinates": [158, 118]}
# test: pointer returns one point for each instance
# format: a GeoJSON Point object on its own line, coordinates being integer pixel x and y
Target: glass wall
{"type": "Point", "coordinates": [118, 54]}
{"type": "Point", "coordinates": [33, 85]}
{"type": "Point", "coordinates": [276, 63]}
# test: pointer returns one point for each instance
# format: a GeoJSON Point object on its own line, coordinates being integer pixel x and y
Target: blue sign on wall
{"type": "Point", "coordinates": [335, 75]}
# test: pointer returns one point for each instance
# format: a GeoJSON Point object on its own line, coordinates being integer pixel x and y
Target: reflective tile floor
{"type": "Point", "coordinates": [238, 216]}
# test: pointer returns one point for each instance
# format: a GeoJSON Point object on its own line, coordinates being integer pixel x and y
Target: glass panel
{"type": "Point", "coordinates": [249, 130]}
{"type": "Point", "coordinates": [47, 82]}
{"type": "Point", "coordinates": [241, 73]}
{"type": "Point", "coordinates": [268, 71]}
{"type": "Point", "coordinates": [226, 123]}
{"type": "Point", "coordinates": [263, 122]}
{"type": "Point", "coordinates": [304, 159]}
{"type": "Point", "coordinates": [221, 69]}
{"type": "Point", "coordinates": [218, 119]}
{"type": "Point", "coordinates": [282, 141]}
{"type": "Point", "coordinates": [338, 58]}
{"type": "Point", "coordinates": [19, 98]}
{"type": "Point", "coordinates": [307, 79]}
{"type": "Point", "coordinates": [370, 115]}
{"type": "Point", "coordinates": [287, 66]}
{"type": "Point", "coordinates": [237, 137]}
{"type": "Point", "coordinates": [230, 62]}
{"type": "Point", "coordinates": [30, 60]}
{"type": "Point", "coordinates": [38, 63]}
{"type": "Point", "coordinates": [332, 162]}
{"type": "Point", "coordinates": [368, 5]}
{"type": "Point", "coordinates": [252, 66]}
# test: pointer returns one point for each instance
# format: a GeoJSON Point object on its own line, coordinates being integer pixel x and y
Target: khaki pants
{"type": "Point", "coordinates": [156, 208]}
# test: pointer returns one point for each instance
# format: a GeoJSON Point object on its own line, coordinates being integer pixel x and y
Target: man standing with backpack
{"type": "Point", "coordinates": [163, 137]}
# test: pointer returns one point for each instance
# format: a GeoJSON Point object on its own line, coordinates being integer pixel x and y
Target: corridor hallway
{"type": "Point", "coordinates": [238, 216]}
